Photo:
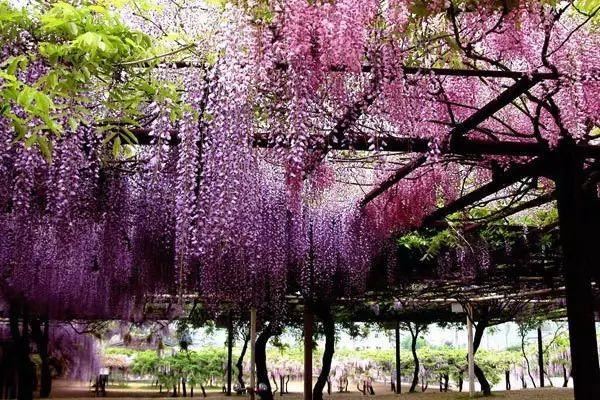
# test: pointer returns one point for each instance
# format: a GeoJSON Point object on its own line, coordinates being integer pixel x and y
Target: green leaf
{"type": "Point", "coordinates": [45, 147]}
{"type": "Point", "coordinates": [116, 149]}
{"type": "Point", "coordinates": [72, 28]}
{"type": "Point", "coordinates": [31, 140]}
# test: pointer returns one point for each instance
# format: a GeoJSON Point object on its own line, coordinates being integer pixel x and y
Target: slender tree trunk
{"type": "Point", "coordinates": [282, 385]}
{"type": "Point", "coordinates": [548, 378]}
{"type": "Point", "coordinates": [446, 381]}
{"type": "Point", "coordinates": [540, 356]}
{"type": "Point", "coordinates": [460, 382]}
{"type": "Point", "coordinates": [275, 384]}
{"type": "Point", "coordinates": [260, 351]}
{"type": "Point", "coordinates": [329, 328]}
{"type": "Point", "coordinates": [486, 388]}
{"type": "Point", "coordinates": [41, 335]}
{"type": "Point", "coordinates": [413, 347]}
{"type": "Point", "coordinates": [229, 352]}
{"type": "Point", "coordinates": [398, 388]}
{"type": "Point", "coordinates": [527, 360]}
{"type": "Point", "coordinates": [507, 379]}
{"type": "Point", "coordinates": [565, 377]}
{"type": "Point", "coordinates": [240, 363]}
{"type": "Point", "coordinates": [183, 388]}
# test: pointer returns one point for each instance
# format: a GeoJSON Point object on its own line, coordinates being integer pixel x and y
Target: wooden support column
{"type": "Point", "coordinates": [470, 355]}
{"type": "Point", "coordinates": [398, 375]}
{"type": "Point", "coordinates": [229, 352]}
{"type": "Point", "coordinates": [309, 322]}
{"type": "Point", "coordinates": [540, 355]}
{"type": "Point", "coordinates": [252, 352]}
{"type": "Point", "coordinates": [575, 233]}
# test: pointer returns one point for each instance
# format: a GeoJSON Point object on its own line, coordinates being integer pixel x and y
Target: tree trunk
{"type": "Point", "coordinates": [24, 366]}
{"type": "Point", "coordinates": [229, 352]}
{"type": "Point", "coordinates": [329, 328]}
{"type": "Point", "coordinates": [540, 356]}
{"type": "Point", "coordinates": [527, 360]}
{"type": "Point", "coordinates": [260, 351]}
{"type": "Point", "coordinates": [41, 337]}
{"type": "Point", "coordinates": [183, 388]}
{"type": "Point", "coordinates": [240, 363]}
{"type": "Point", "coordinates": [413, 347]}
{"type": "Point", "coordinates": [275, 384]}
{"type": "Point", "coordinates": [548, 378]}
{"type": "Point", "coordinates": [446, 381]}
{"type": "Point", "coordinates": [507, 379]}
{"type": "Point", "coordinates": [565, 377]}
{"type": "Point", "coordinates": [486, 388]}
{"type": "Point", "coordinates": [577, 211]}
{"type": "Point", "coordinates": [398, 388]}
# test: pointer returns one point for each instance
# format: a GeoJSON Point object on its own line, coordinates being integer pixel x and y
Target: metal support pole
{"type": "Point", "coordinates": [398, 377]}
{"type": "Point", "coordinates": [308, 338]}
{"type": "Point", "coordinates": [252, 352]}
{"type": "Point", "coordinates": [470, 354]}
{"type": "Point", "coordinates": [540, 355]}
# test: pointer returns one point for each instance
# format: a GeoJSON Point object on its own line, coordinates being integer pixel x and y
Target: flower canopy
{"type": "Point", "coordinates": [240, 149]}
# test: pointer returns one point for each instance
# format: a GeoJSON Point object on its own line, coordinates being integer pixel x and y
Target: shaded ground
{"type": "Point", "coordinates": [76, 391]}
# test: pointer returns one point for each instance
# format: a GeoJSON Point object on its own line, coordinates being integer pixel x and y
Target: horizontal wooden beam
{"type": "Point", "coordinates": [462, 146]}
{"type": "Point", "coordinates": [407, 70]}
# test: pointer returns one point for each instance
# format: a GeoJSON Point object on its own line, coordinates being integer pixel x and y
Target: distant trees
{"type": "Point", "coordinates": [182, 369]}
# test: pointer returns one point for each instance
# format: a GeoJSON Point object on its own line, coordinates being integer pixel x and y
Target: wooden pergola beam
{"type": "Point", "coordinates": [407, 70]}
{"type": "Point", "coordinates": [536, 202]}
{"type": "Point", "coordinates": [393, 179]}
{"type": "Point", "coordinates": [458, 132]}
{"type": "Point", "coordinates": [495, 105]}
{"type": "Point", "coordinates": [502, 181]}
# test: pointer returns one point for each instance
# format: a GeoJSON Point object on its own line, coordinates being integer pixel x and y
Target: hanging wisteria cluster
{"type": "Point", "coordinates": [244, 194]}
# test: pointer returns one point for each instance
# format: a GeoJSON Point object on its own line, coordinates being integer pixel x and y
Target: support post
{"type": "Point", "coordinates": [229, 352]}
{"type": "Point", "coordinates": [252, 352]}
{"type": "Point", "coordinates": [470, 354]}
{"type": "Point", "coordinates": [576, 235]}
{"type": "Point", "coordinates": [398, 376]}
{"type": "Point", "coordinates": [308, 364]}
{"type": "Point", "coordinates": [540, 355]}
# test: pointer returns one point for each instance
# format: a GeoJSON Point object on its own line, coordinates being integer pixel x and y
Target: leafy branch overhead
{"type": "Point", "coordinates": [70, 67]}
